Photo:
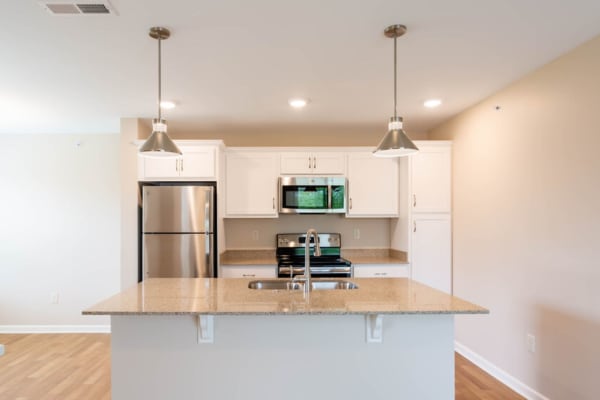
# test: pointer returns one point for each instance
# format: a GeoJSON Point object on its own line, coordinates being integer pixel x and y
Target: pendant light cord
{"type": "Point", "coordinates": [159, 79]}
{"type": "Point", "coordinates": [395, 84]}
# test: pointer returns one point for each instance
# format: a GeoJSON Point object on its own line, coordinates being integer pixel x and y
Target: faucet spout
{"type": "Point", "coordinates": [307, 275]}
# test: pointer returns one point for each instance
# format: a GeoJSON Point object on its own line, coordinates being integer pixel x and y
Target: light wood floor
{"type": "Point", "coordinates": [77, 366]}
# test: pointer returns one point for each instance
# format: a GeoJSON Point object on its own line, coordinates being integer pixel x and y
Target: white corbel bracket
{"type": "Point", "coordinates": [206, 328]}
{"type": "Point", "coordinates": [374, 328]}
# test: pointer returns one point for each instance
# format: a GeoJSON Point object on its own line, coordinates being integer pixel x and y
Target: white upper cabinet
{"type": "Point", "coordinates": [303, 163]}
{"type": "Point", "coordinates": [251, 184]}
{"type": "Point", "coordinates": [372, 185]}
{"type": "Point", "coordinates": [198, 163]}
{"type": "Point", "coordinates": [431, 175]}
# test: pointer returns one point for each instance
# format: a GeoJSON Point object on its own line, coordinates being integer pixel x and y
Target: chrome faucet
{"type": "Point", "coordinates": [307, 276]}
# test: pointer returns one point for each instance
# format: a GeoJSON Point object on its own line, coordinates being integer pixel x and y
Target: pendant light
{"type": "Point", "coordinates": [159, 144]}
{"type": "Point", "coordinates": [395, 143]}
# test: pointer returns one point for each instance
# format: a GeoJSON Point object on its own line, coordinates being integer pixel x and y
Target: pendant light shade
{"type": "Point", "coordinates": [395, 143]}
{"type": "Point", "coordinates": [159, 144]}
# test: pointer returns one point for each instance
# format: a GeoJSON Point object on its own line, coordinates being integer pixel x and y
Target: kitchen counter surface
{"type": "Point", "coordinates": [356, 256]}
{"type": "Point", "coordinates": [375, 256]}
{"type": "Point", "coordinates": [248, 257]}
{"type": "Point", "coordinates": [209, 296]}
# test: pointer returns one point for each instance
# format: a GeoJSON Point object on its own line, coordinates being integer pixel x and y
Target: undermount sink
{"type": "Point", "coordinates": [293, 285]}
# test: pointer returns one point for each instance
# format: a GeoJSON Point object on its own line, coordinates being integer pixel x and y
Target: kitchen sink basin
{"type": "Point", "coordinates": [292, 285]}
{"type": "Point", "coordinates": [275, 285]}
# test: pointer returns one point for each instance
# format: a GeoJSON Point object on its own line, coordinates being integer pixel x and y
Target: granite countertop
{"type": "Point", "coordinates": [375, 256]}
{"type": "Point", "coordinates": [248, 257]}
{"type": "Point", "coordinates": [356, 256]}
{"type": "Point", "coordinates": [210, 296]}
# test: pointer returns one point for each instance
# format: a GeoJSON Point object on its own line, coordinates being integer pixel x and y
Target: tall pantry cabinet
{"type": "Point", "coordinates": [426, 229]}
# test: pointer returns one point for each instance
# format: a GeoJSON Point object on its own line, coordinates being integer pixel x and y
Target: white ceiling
{"type": "Point", "coordinates": [235, 63]}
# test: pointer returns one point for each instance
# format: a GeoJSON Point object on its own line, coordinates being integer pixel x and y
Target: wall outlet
{"type": "Point", "coordinates": [530, 343]}
{"type": "Point", "coordinates": [356, 233]}
{"type": "Point", "coordinates": [54, 298]}
{"type": "Point", "coordinates": [255, 235]}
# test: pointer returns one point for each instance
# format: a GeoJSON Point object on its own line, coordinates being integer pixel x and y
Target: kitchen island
{"type": "Point", "coordinates": [218, 339]}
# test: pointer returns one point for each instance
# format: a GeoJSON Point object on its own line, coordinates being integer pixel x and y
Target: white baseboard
{"type": "Point", "coordinates": [498, 373]}
{"type": "Point", "coordinates": [54, 328]}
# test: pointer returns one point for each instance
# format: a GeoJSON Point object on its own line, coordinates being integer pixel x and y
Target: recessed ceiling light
{"type": "Point", "coordinates": [433, 103]}
{"type": "Point", "coordinates": [298, 103]}
{"type": "Point", "coordinates": [167, 105]}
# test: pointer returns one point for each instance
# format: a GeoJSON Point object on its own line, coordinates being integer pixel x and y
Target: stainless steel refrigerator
{"type": "Point", "coordinates": [178, 231]}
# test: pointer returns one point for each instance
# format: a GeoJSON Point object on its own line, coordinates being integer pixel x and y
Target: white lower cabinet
{"type": "Point", "coordinates": [248, 271]}
{"type": "Point", "coordinates": [381, 270]}
{"type": "Point", "coordinates": [431, 255]}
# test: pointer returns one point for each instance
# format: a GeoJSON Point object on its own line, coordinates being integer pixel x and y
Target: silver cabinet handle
{"type": "Point", "coordinates": [177, 164]}
{"type": "Point", "coordinates": [350, 202]}
{"type": "Point", "coordinates": [314, 162]}
{"type": "Point", "coordinates": [181, 165]}
{"type": "Point", "coordinates": [414, 200]}
{"type": "Point", "coordinates": [249, 275]}
{"type": "Point", "coordinates": [309, 162]}
{"type": "Point", "coordinates": [380, 273]}
{"type": "Point", "coordinates": [273, 203]}
{"type": "Point", "coordinates": [414, 226]}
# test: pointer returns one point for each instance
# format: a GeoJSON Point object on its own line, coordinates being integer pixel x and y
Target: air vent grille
{"type": "Point", "coordinates": [78, 7]}
{"type": "Point", "coordinates": [93, 9]}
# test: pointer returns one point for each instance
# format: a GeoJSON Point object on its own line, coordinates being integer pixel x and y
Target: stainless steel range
{"type": "Point", "coordinates": [290, 256]}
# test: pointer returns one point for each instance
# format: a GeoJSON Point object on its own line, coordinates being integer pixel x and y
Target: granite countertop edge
{"type": "Point", "coordinates": [356, 256]}
{"type": "Point", "coordinates": [274, 313]}
{"type": "Point", "coordinates": [220, 296]}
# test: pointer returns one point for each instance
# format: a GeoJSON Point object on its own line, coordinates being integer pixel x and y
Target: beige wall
{"type": "Point", "coordinates": [526, 194]}
{"type": "Point", "coordinates": [59, 218]}
{"type": "Point", "coordinates": [290, 135]}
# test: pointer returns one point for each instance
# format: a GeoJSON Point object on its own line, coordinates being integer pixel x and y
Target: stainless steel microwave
{"type": "Point", "coordinates": [312, 195]}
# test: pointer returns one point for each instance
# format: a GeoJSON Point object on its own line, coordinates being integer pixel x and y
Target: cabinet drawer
{"type": "Point", "coordinates": [248, 271]}
{"type": "Point", "coordinates": [381, 270]}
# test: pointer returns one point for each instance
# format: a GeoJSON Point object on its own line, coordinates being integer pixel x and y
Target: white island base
{"type": "Point", "coordinates": [262, 357]}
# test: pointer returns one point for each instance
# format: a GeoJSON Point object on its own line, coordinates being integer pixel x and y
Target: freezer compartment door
{"type": "Point", "coordinates": [177, 209]}
{"type": "Point", "coordinates": [178, 255]}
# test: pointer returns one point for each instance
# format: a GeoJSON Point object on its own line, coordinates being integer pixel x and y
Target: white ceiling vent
{"type": "Point", "coordinates": [78, 7]}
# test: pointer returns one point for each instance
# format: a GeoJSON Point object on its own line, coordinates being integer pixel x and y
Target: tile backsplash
{"type": "Point", "coordinates": [259, 233]}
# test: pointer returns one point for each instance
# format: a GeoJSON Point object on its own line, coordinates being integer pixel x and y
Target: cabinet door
{"type": "Point", "coordinates": [248, 271]}
{"type": "Point", "coordinates": [251, 184]}
{"type": "Point", "coordinates": [322, 163]}
{"type": "Point", "coordinates": [431, 257]}
{"type": "Point", "coordinates": [159, 168]}
{"type": "Point", "coordinates": [431, 174]}
{"type": "Point", "coordinates": [381, 270]}
{"type": "Point", "coordinates": [296, 163]}
{"type": "Point", "coordinates": [372, 186]}
{"type": "Point", "coordinates": [198, 162]}
{"type": "Point", "coordinates": [328, 163]}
